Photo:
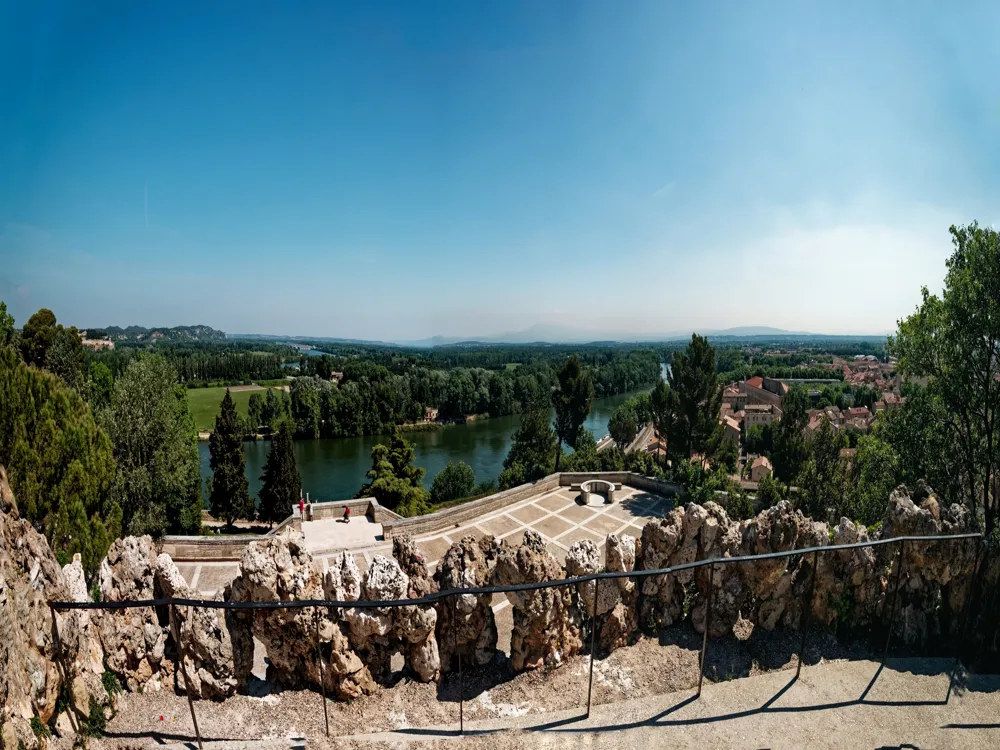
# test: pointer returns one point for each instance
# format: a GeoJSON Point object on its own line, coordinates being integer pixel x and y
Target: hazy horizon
{"type": "Point", "coordinates": [396, 172]}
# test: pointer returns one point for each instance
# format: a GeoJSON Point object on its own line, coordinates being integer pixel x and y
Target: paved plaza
{"type": "Point", "coordinates": [556, 515]}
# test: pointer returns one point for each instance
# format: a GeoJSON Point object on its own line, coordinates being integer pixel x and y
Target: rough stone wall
{"type": "Point", "coordinates": [466, 624]}
{"type": "Point", "coordinates": [281, 569]}
{"type": "Point", "coordinates": [134, 639]}
{"type": "Point", "coordinates": [376, 633]}
{"type": "Point", "coordinates": [31, 676]}
{"type": "Point", "coordinates": [611, 604]}
{"type": "Point", "coordinates": [209, 666]}
{"type": "Point", "coordinates": [849, 588]}
{"type": "Point", "coordinates": [548, 623]}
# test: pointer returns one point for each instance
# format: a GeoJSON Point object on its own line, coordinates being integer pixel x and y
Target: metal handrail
{"type": "Point", "coordinates": [438, 596]}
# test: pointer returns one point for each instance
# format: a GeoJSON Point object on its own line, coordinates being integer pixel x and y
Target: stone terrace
{"type": "Point", "coordinates": [555, 514]}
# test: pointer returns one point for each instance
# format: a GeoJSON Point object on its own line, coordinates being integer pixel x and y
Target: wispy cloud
{"type": "Point", "coordinates": [665, 189]}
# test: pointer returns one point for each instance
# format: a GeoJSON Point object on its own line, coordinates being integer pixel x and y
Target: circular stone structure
{"type": "Point", "coordinates": [597, 492]}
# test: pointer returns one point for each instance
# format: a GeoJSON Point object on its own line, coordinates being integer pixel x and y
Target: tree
{"type": "Point", "coordinates": [660, 411]}
{"type": "Point", "coordinates": [157, 469]}
{"type": "Point", "coordinates": [693, 400]}
{"type": "Point", "coordinates": [255, 411]}
{"type": "Point", "coordinates": [770, 491]}
{"type": "Point", "coordinates": [100, 386]}
{"type": "Point", "coordinates": [919, 434]}
{"type": "Point", "coordinates": [821, 481]}
{"type": "Point", "coordinates": [37, 336]}
{"type": "Point", "coordinates": [393, 479]}
{"type": "Point", "coordinates": [571, 400]}
{"type": "Point", "coordinates": [954, 342]}
{"type": "Point", "coordinates": [281, 482]}
{"type": "Point", "coordinates": [272, 410]}
{"type": "Point", "coordinates": [58, 461]}
{"type": "Point", "coordinates": [229, 495]}
{"type": "Point", "coordinates": [875, 475]}
{"type": "Point", "coordinates": [65, 356]}
{"type": "Point", "coordinates": [623, 425]}
{"type": "Point", "coordinates": [789, 442]}
{"type": "Point", "coordinates": [454, 481]}
{"type": "Point", "coordinates": [531, 452]}
{"type": "Point", "coordinates": [8, 334]}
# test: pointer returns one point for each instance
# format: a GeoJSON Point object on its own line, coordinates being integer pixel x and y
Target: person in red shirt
{"type": "Point", "coordinates": [347, 514]}
{"type": "Point", "coordinates": [302, 509]}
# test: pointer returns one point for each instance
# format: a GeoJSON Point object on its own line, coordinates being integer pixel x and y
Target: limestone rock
{"type": "Point", "coordinates": [933, 572]}
{"type": "Point", "coordinates": [415, 625]}
{"type": "Point", "coordinates": [466, 624]}
{"type": "Point", "coordinates": [778, 586]}
{"type": "Point", "coordinates": [134, 640]}
{"type": "Point", "coordinates": [547, 622]}
{"type": "Point", "coordinates": [622, 621]}
{"type": "Point", "coordinates": [665, 543]}
{"type": "Point", "coordinates": [209, 667]}
{"type": "Point", "coordinates": [280, 569]}
{"type": "Point", "coordinates": [342, 580]}
{"type": "Point", "coordinates": [30, 577]}
{"type": "Point", "coordinates": [376, 633]}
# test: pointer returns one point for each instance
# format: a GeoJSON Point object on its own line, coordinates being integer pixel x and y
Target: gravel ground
{"type": "Point", "coordinates": [650, 667]}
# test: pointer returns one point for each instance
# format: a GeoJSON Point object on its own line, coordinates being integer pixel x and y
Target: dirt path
{"type": "Point", "coordinates": [649, 668]}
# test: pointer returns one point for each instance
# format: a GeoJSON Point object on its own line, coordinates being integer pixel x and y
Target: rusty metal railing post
{"type": "Point", "coordinates": [895, 598]}
{"type": "Point", "coordinates": [966, 609]}
{"type": "Point", "coordinates": [708, 623]}
{"type": "Point", "coordinates": [806, 611]}
{"type": "Point", "coordinates": [180, 654]}
{"type": "Point", "coordinates": [593, 639]}
{"type": "Point", "coordinates": [458, 653]}
{"type": "Point", "coordinates": [322, 671]}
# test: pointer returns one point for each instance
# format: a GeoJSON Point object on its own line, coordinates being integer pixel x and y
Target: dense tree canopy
{"type": "Point", "coordinates": [37, 336]}
{"type": "Point", "coordinates": [157, 468]}
{"type": "Point", "coordinates": [454, 481]}
{"type": "Point", "coordinates": [954, 342]}
{"type": "Point", "coordinates": [8, 334]}
{"type": "Point", "coordinates": [58, 461]}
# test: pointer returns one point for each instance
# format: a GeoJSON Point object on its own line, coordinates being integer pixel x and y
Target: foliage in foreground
{"type": "Point", "coordinates": [157, 468]}
{"type": "Point", "coordinates": [58, 462]}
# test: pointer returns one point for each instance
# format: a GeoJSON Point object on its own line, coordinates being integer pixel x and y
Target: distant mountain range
{"type": "Point", "coordinates": [539, 333]}
{"type": "Point", "coordinates": [552, 334]}
{"type": "Point", "coordinates": [140, 335]}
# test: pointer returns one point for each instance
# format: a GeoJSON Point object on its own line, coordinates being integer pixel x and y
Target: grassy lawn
{"type": "Point", "coordinates": [204, 403]}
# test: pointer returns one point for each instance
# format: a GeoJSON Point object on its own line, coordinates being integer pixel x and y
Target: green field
{"type": "Point", "coordinates": [204, 403]}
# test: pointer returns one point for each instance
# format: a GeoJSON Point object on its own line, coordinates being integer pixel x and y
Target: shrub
{"type": "Point", "coordinates": [40, 729]}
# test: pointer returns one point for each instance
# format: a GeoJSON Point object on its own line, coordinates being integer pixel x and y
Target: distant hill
{"type": "Point", "coordinates": [140, 335]}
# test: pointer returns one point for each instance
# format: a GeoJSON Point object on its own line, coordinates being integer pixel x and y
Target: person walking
{"type": "Point", "coordinates": [347, 514]}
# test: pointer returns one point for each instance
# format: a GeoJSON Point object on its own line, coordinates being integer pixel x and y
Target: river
{"type": "Point", "coordinates": [334, 468]}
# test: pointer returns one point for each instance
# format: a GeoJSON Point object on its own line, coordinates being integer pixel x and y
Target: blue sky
{"type": "Point", "coordinates": [402, 170]}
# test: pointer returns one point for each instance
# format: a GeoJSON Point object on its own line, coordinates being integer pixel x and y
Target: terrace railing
{"type": "Point", "coordinates": [441, 596]}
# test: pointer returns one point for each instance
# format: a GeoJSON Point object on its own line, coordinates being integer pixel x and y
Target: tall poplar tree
{"type": "Point", "coordinates": [571, 400]}
{"type": "Point", "coordinates": [229, 494]}
{"type": "Point", "coordinates": [282, 483]}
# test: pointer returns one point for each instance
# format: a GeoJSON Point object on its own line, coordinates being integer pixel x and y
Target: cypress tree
{"type": "Point", "coordinates": [282, 483]}
{"type": "Point", "coordinates": [229, 496]}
